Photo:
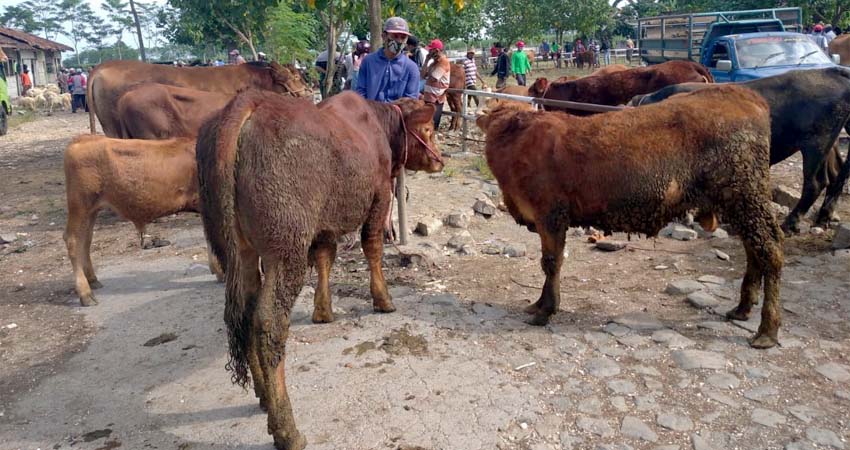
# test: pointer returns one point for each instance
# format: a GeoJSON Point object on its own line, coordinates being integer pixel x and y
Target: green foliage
{"type": "Point", "coordinates": [20, 17]}
{"type": "Point", "coordinates": [93, 57]}
{"type": "Point", "coordinates": [443, 19]}
{"type": "Point", "coordinates": [240, 21]}
{"type": "Point", "coordinates": [289, 34]}
{"type": "Point", "coordinates": [512, 20]}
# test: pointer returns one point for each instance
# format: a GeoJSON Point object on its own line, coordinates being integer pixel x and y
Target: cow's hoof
{"type": "Point", "coordinates": [540, 319]}
{"type": "Point", "coordinates": [737, 314]}
{"type": "Point", "coordinates": [88, 300]}
{"type": "Point", "coordinates": [763, 341]}
{"type": "Point", "coordinates": [790, 228]}
{"type": "Point", "coordinates": [322, 316]}
{"type": "Point", "coordinates": [295, 442]}
{"type": "Point", "coordinates": [384, 306]}
{"type": "Point", "coordinates": [95, 284]}
{"type": "Point", "coordinates": [533, 308]}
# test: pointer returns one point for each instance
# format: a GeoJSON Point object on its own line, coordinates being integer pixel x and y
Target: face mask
{"type": "Point", "coordinates": [394, 47]}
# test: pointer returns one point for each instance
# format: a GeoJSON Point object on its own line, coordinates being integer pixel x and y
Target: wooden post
{"type": "Point", "coordinates": [402, 208]}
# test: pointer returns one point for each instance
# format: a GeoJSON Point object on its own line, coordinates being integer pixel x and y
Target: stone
{"type": "Point", "coordinates": [761, 393]}
{"type": "Point", "coordinates": [711, 279]}
{"type": "Point", "coordinates": [683, 233]}
{"type": "Point", "coordinates": [620, 386]}
{"type": "Point", "coordinates": [799, 445]}
{"type": "Point", "coordinates": [842, 254]}
{"type": "Point", "coordinates": [700, 443]}
{"type": "Point", "coordinates": [721, 255]}
{"type": "Point", "coordinates": [666, 447]}
{"type": "Point", "coordinates": [457, 219]}
{"type": "Point", "coordinates": [646, 370]}
{"type": "Point", "coordinates": [675, 422]}
{"type": "Point", "coordinates": [492, 248]}
{"type": "Point", "coordinates": [779, 210]}
{"type": "Point", "coordinates": [633, 340]}
{"type": "Point", "coordinates": [487, 312]}
{"type": "Point", "coordinates": [610, 246]}
{"type": "Point", "coordinates": [7, 238]}
{"type": "Point", "coordinates": [785, 196]}
{"type": "Point", "coordinates": [767, 417]}
{"type": "Point", "coordinates": [598, 427]}
{"type": "Point", "coordinates": [672, 339]}
{"type": "Point", "coordinates": [614, 447]}
{"type": "Point", "coordinates": [590, 405]}
{"type": "Point", "coordinates": [467, 250]}
{"type": "Point", "coordinates": [570, 346]}
{"type": "Point", "coordinates": [568, 441]}
{"type": "Point", "coordinates": [683, 287]}
{"type": "Point", "coordinates": [757, 372]}
{"type": "Point", "coordinates": [645, 403]}
{"type": "Point", "coordinates": [635, 428]}
{"type": "Point", "coordinates": [713, 325]}
{"type": "Point", "coordinates": [485, 207]}
{"type": "Point", "coordinates": [719, 233]}
{"type": "Point", "coordinates": [639, 322]}
{"type": "Point", "coordinates": [841, 239]}
{"type": "Point", "coordinates": [834, 371]}
{"type": "Point", "coordinates": [803, 413]}
{"type": "Point", "coordinates": [460, 240]}
{"type": "Point", "coordinates": [619, 403]}
{"type": "Point", "coordinates": [817, 231]}
{"type": "Point", "coordinates": [702, 300]}
{"type": "Point", "coordinates": [197, 269]}
{"type": "Point", "coordinates": [602, 367]}
{"type": "Point", "coordinates": [514, 250]}
{"type": "Point", "coordinates": [616, 330]}
{"type": "Point", "coordinates": [428, 226]}
{"type": "Point", "coordinates": [698, 359]}
{"type": "Point", "coordinates": [824, 437]}
{"type": "Point", "coordinates": [723, 381]}
{"type": "Point", "coordinates": [751, 325]}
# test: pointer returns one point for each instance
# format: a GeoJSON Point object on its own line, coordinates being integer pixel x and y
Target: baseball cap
{"type": "Point", "coordinates": [435, 44]}
{"type": "Point", "coordinates": [818, 27]}
{"type": "Point", "coordinates": [396, 25]}
{"type": "Point", "coordinates": [520, 44]}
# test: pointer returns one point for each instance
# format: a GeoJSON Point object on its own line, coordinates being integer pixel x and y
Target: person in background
{"type": "Point", "coordinates": [630, 47]}
{"type": "Point", "coordinates": [556, 54]}
{"type": "Point", "coordinates": [62, 81]}
{"type": "Point", "coordinates": [819, 39]}
{"type": "Point", "coordinates": [261, 57]}
{"type": "Point", "coordinates": [829, 33]}
{"type": "Point", "coordinates": [605, 47]}
{"type": "Point", "coordinates": [436, 72]}
{"type": "Point", "coordinates": [26, 81]}
{"type": "Point", "coordinates": [471, 76]}
{"type": "Point", "coordinates": [500, 69]}
{"type": "Point", "coordinates": [415, 52]}
{"type": "Point", "coordinates": [388, 74]}
{"type": "Point", "coordinates": [78, 91]}
{"type": "Point", "coordinates": [520, 66]}
{"type": "Point", "coordinates": [361, 50]}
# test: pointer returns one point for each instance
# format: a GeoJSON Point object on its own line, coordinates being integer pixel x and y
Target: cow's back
{"type": "Point", "coordinates": [159, 111]}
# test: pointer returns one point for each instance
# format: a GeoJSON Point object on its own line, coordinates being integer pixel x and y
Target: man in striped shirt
{"type": "Point", "coordinates": [436, 72]}
{"type": "Point", "coordinates": [471, 75]}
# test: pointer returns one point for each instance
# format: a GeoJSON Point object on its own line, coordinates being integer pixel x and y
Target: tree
{"type": "Point", "coordinates": [20, 17]}
{"type": "Point", "coordinates": [78, 16]}
{"type": "Point", "coordinates": [117, 13]}
{"type": "Point", "coordinates": [47, 16]}
{"type": "Point", "coordinates": [289, 34]}
{"type": "Point", "coordinates": [244, 20]}
{"type": "Point", "coordinates": [138, 30]}
{"type": "Point", "coordinates": [511, 20]}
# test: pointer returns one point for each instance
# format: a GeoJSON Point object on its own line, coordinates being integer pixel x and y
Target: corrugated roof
{"type": "Point", "coordinates": [17, 37]}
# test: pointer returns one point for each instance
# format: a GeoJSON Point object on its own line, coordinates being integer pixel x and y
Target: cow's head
{"type": "Point", "coordinates": [288, 80]}
{"type": "Point", "coordinates": [538, 88]}
{"type": "Point", "coordinates": [499, 113]}
{"type": "Point", "coordinates": [422, 151]}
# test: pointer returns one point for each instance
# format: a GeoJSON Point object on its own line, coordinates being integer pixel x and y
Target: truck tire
{"type": "Point", "coordinates": [4, 121]}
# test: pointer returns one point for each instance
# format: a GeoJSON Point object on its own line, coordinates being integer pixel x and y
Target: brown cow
{"type": "Point", "coordinates": [611, 68]}
{"type": "Point", "coordinates": [110, 80]}
{"type": "Point", "coordinates": [278, 183]}
{"type": "Point", "coordinates": [619, 87]}
{"type": "Point", "coordinates": [160, 111]}
{"type": "Point", "coordinates": [139, 180]}
{"type": "Point", "coordinates": [708, 150]}
{"type": "Point", "coordinates": [841, 46]}
{"type": "Point", "coordinates": [457, 80]}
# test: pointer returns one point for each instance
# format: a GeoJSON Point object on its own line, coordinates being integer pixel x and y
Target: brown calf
{"type": "Point", "coordinates": [709, 150]}
{"type": "Point", "coordinates": [160, 111]}
{"type": "Point", "coordinates": [619, 87]}
{"type": "Point", "coordinates": [139, 180]}
{"type": "Point", "coordinates": [279, 183]}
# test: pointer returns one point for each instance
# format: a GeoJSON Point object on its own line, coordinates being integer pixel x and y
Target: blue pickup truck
{"type": "Point", "coordinates": [733, 45]}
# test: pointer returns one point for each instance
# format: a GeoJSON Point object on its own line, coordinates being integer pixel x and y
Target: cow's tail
{"type": "Point", "coordinates": [216, 152]}
{"type": "Point", "coordinates": [90, 99]}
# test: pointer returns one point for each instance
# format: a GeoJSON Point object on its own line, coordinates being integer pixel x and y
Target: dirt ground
{"type": "Point", "coordinates": [454, 368]}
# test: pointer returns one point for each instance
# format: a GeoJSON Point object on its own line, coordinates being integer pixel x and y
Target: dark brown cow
{"type": "Point", "coordinates": [159, 111]}
{"type": "Point", "coordinates": [110, 80]}
{"type": "Point", "coordinates": [619, 87]}
{"type": "Point", "coordinates": [139, 180]}
{"type": "Point", "coordinates": [279, 183]}
{"type": "Point", "coordinates": [708, 150]}
{"type": "Point", "coordinates": [457, 80]}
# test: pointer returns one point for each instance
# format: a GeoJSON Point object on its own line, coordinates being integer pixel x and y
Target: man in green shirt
{"type": "Point", "coordinates": [519, 64]}
{"type": "Point", "coordinates": [556, 54]}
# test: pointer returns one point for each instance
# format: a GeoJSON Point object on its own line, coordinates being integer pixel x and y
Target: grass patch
{"type": "Point", "coordinates": [16, 120]}
{"type": "Point", "coordinates": [480, 163]}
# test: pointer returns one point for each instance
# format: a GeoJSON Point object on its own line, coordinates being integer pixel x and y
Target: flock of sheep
{"type": "Point", "coordinates": [45, 98]}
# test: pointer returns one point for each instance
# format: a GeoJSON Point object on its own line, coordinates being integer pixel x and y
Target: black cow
{"type": "Point", "coordinates": [808, 109]}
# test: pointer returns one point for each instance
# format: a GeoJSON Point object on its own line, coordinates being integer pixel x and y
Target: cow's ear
{"type": "Point", "coordinates": [422, 115]}
{"type": "Point", "coordinates": [483, 121]}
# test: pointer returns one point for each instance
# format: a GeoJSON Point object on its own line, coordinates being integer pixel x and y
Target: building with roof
{"type": "Point", "coordinates": [41, 56]}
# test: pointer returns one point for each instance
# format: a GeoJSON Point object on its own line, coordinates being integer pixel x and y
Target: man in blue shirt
{"type": "Point", "coordinates": [388, 74]}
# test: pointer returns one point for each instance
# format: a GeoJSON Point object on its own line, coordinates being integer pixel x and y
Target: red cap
{"type": "Point", "coordinates": [520, 44]}
{"type": "Point", "coordinates": [435, 44]}
{"type": "Point", "coordinates": [818, 27]}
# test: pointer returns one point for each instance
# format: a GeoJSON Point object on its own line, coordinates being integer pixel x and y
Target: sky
{"type": "Point", "coordinates": [95, 5]}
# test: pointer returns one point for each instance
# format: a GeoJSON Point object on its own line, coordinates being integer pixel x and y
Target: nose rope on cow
{"type": "Point", "coordinates": [431, 152]}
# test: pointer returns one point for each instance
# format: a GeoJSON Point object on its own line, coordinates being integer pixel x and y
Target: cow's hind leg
{"type": "Point", "coordinates": [813, 184]}
{"type": "Point", "coordinates": [373, 249]}
{"type": "Point", "coordinates": [552, 240]}
{"type": "Point", "coordinates": [324, 254]}
{"type": "Point", "coordinates": [88, 268]}
{"type": "Point", "coordinates": [762, 238]}
{"type": "Point", "coordinates": [249, 285]}
{"type": "Point", "coordinates": [284, 280]}
{"type": "Point", "coordinates": [78, 233]}
{"type": "Point", "coordinates": [832, 169]}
